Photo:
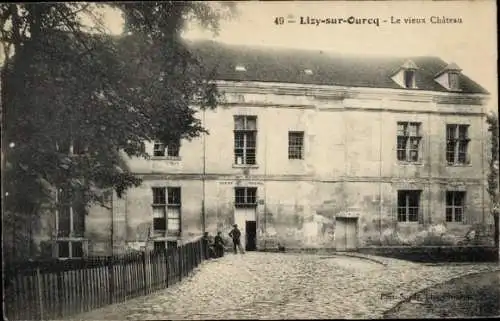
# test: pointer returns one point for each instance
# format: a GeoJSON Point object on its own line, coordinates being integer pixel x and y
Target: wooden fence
{"type": "Point", "coordinates": [59, 289]}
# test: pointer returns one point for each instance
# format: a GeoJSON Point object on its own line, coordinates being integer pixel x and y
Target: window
{"type": "Point", "coordinates": [70, 224]}
{"type": "Point", "coordinates": [245, 196]}
{"type": "Point", "coordinates": [408, 205]}
{"type": "Point", "coordinates": [295, 145]}
{"type": "Point", "coordinates": [245, 138]}
{"type": "Point", "coordinates": [457, 142]}
{"type": "Point", "coordinates": [171, 150]}
{"type": "Point", "coordinates": [455, 202]}
{"type": "Point", "coordinates": [453, 80]}
{"type": "Point", "coordinates": [408, 141]}
{"type": "Point", "coordinates": [77, 147]}
{"type": "Point", "coordinates": [166, 210]}
{"type": "Point", "coordinates": [159, 246]}
{"type": "Point", "coordinates": [409, 78]}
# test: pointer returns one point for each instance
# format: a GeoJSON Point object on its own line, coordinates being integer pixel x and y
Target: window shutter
{"type": "Point", "coordinates": [467, 159]}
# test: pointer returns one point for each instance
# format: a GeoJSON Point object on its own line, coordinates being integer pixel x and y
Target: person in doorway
{"type": "Point", "coordinates": [219, 245]}
{"type": "Point", "coordinates": [235, 234]}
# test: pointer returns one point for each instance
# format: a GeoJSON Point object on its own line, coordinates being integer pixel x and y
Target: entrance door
{"type": "Point", "coordinates": [346, 233]}
{"type": "Point", "coordinates": [251, 231]}
{"type": "Point", "coordinates": [241, 216]}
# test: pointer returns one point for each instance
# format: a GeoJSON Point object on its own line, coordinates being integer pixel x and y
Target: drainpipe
{"type": "Point", "coordinates": [380, 178]}
{"type": "Point", "coordinates": [203, 218]}
{"type": "Point", "coordinates": [429, 159]}
{"type": "Point", "coordinates": [112, 224]}
{"type": "Point", "coordinates": [484, 176]}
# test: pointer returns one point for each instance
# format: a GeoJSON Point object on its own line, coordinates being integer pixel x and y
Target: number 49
{"type": "Point", "coordinates": [279, 20]}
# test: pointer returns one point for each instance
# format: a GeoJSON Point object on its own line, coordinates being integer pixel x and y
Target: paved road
{"type": "Point", "coordinates": [287, 286]}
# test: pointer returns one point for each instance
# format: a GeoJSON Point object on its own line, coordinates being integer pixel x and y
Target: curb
{"type": "Point", "coordinates": [358, 257]}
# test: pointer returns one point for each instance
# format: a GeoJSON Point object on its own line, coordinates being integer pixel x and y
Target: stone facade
{"type": "Point", "coordinates": [349, 169]}
{"type": "Point", "coordinates": [349, 163]}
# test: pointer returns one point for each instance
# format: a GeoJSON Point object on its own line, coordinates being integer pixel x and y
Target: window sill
{"type": "Point", "coordinates": [458, 165]}
{"type": "Point", "coordinates": [70, 238]}
{"type": "Point", "coordinates": [245, 166]}
{"type": "Point", "coordinates": [161, 238]}
{"type": "Point", "coordinates": [409, 223]}
{"type": "Point", "coordinates": [171, 158]}
{"type": "Point", "coordinates": [407, 163]}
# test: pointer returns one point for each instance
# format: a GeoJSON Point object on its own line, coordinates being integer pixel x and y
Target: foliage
{"type": "Point", "coordinates": [65, 84]}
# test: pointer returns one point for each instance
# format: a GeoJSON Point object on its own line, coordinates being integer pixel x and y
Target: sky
{"type": "Point", "coordinates": [470, 44]}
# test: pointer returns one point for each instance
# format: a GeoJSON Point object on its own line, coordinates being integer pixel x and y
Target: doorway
{"type": "Point", "coordinates": [346, 233]}
{"type": "Point", "coordinates": [251, 234]}
{"type": "Point", "coordinates": [242, 215]}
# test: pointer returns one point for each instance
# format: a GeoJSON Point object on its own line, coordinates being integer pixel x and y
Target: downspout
{"type": "Point", "coordinates": [265, 183]}
{"type": "Point", "coordinates": [380, 177]}
{"type": "Point", "coordinates": [203, 218]}
{"type": "Point", "coordinates": [484, 177]}
{"type": "Point", "coordinates": [112, 230]}
{"type": "Point", "coordinates": [429, 159]}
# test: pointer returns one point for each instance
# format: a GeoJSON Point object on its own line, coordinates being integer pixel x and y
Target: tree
{"type": "Point", "coordinates": [75, 99]}
{"type": "Point", "coordinates": [492, 120]}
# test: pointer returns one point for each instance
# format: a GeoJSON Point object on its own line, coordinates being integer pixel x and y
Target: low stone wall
{"type": "Point", "coordinates": [436, 254]}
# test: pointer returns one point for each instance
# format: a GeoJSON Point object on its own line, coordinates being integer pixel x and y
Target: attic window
{"type": "Point", "coordinates": [308, 71]}
{"type": "Point", "coordinates": [240, 68]}
{"type": "Point", "coordinates": [406, 75]}
{"type": "Point", "coordinates": [453, 80]}
{"type": "Point", "coordinates": [409, 77]}
{"type": "Point", "coordinates": [449, 77]}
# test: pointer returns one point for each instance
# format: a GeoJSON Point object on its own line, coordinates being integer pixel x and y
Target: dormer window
{"type": "Point", "coordinates": [409, 76]}
{"type": "Point", "coordinates": [449, 77]}
{"type": "Point", "coordinates": [240, 68]}
{"type": "Point", "coordinates": [453, 80]}
{"type": "Point", "coordinates": [406, 76]}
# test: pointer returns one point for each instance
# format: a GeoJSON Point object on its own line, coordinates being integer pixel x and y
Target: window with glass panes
{"type": "Point", "coordinates": [457, 142]}
{"type": "Point", "coordinates": [408, 205]}
{"type": "Point", "coordinates": [295, 145]}
{"type": "Point", "coordinates": [454, 80]}
{"type": "Point", "coordinates": [245, 139]}
{"type": "Point", "coordinates": [455, 202]}
{"type": "Point", "coordinates": [166, 210]}
{"type": "Point", "coordinates": [408, 141]}
{"type": "Point", "coordinates": [70, 223]}
{"type": "Point", "coordinates": [160, 149]}
{"type": "Point", "coordinates": [245, 196]}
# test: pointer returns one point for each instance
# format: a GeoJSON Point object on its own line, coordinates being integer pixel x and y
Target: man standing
{"type": "Point", "coordinates": [235, 234]}
{"type": "Point", "coordinates": [219, 245]}
{"type": "Point", "coordinates": [206, 245]}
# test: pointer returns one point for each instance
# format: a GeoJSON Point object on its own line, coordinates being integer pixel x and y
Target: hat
{"type": "Point", "coordinates": [235, 225]}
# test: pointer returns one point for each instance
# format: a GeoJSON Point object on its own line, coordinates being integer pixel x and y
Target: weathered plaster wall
{"type": "Point", "coordinates": [98, 225]}
{"type": "Point", "coordinates": [135, 227]}
{"type": "Point", "coordinates": [350, 162]}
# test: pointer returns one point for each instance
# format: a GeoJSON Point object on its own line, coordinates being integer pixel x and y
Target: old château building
{"type": "Point", "coordinates": [312, 149]}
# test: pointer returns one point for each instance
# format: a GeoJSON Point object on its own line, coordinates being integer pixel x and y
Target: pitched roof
{"type": "Point", "coordinates": [271, 64]}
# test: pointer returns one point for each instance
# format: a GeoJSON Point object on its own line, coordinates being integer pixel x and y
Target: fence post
{"type": "Point", "coordinates": [111, 281]}
{"type": "Point", "coordinates": [144, 268]}
{"type": "Point", "coordinates": [60, 295]}
{"type": "Point", "coordinates": [166, 265]}
{"type": "Point", "coordinates": [40, 292]}
{"type": "Point", "coordinates": [179, 257]}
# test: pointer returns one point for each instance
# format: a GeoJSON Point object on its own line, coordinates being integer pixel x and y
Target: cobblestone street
{"type": "Point", "coordinates": [288, 286]}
